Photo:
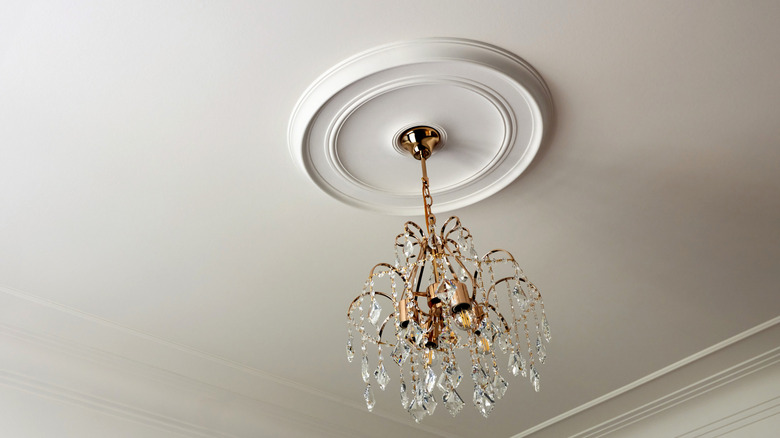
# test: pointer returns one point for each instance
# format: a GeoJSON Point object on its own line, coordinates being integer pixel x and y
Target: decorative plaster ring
{"type": "Point", "coordinates": [342, 128]}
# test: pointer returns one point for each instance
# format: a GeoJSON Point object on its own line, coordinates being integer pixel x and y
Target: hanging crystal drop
{"type": "Point", "coordinates": [369, 396]}
{"type": "Point", "coordinates": [430, 379]}
{"type": "Point", "coordinates": [429, 402]}
{"type": "Point", "coordinates": [416, 334]}
{"type": "Point", "coordinates": [546, 328]}
{"type": "Point", "coordinates": [401, 352]}
{"type": "Point", "coordinates": [364, 368]}
{"type": "Point", "coordinates": [517, 292]}
{"type": "Point", "coordinates": [381, 376]}
{"type": "Point", "coordinates": [514, 364]}
{"type": "Point", "coordinates": [505, 342]}
{"type": "Point", "coordinates": [416, 410]}
{"type": "Point", "coordinates": [461, 242]}
{"type": "Point", "coordinates": [350, 351]}
{"type": "Point", "coordinates": [404, 395]}
{"type": "Point", "coordinates": [499, 386]}
{"type": "Point", "coordinates": [373, 315]}
{"type": "Point", "coordinates": [540, 351]}
{"type": "Point", "coordinates": [482, 402]}
{"type": "Point", "coordinates": [408, 248]}
{"type": "Point", "coordinates": [464, 276]}
{"type": "Point", "coordinates": [397, 261]}
{"type": "Point", "coordinates": [453, 402]}
{"type": "Point", "coordinates": [535, 378]}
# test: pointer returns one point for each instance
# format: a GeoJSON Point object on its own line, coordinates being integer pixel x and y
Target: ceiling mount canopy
{"type": "Point", "coordinates": [489, 108]}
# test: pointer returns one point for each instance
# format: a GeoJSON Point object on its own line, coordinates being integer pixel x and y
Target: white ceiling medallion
{"type": "Point", "coordinates": [489, 106]}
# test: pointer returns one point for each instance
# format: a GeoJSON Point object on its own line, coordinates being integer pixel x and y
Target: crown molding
{"type": "Point", "coordinates": [753, 352]}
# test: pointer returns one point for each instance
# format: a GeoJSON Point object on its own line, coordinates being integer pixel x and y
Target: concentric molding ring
{"type": "Point", "coordinates": [491, 103]}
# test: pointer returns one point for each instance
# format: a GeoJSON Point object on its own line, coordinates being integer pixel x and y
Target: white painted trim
{"type": "Point", "coordinates": [757, 362]}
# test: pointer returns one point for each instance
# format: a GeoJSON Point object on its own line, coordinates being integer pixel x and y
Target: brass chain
{"type": "Point", "coordinates": [430, 219]}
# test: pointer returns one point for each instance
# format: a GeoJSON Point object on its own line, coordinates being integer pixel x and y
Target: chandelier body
{"type": "Point", "coordinates": [449, 310]}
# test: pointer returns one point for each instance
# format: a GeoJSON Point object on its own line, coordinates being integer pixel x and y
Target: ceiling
{"type": "Point", "coordinates": [146, 184]}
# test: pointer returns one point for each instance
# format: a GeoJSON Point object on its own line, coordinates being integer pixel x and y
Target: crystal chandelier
{"type": "Point", "coordinates": [448, 311]}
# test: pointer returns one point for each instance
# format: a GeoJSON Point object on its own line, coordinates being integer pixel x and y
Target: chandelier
{"type": "Point", "coordinates": [440, 310]}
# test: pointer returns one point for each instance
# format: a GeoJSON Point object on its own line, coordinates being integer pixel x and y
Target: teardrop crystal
{"type": "Point", "coordinates": [408, 248]}
{"type": "Point", "coordinates": [430, 379]}
{"type": "Point", "coordinates": [535, 379]}
{"type": "Point", "coordinates": [373, 314]}
{"type": "Point", "coordinates": [369, 396]}
{"type": "Point", "coordinates": [381, 376]}
{"type": "Point", "coordinates": [350, 351]}
{"type": "Point", "coordinates": [546, 328]}
{"type": "Point", "coordinates": [364, 368]}
{"type": "Point", "coordinates": [540, 351]}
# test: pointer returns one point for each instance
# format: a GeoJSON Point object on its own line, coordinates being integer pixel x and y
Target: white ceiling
{"type": "Point", "coordinates": [145, 181]}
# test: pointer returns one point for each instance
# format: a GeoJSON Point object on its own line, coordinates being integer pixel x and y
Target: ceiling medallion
{"type": "Point", "coordinates": [446, 305]}
{"type": "Point", "coordinates": [490, 107]}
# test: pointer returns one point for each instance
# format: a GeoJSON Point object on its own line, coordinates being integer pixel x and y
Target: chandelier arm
{"type": "Point", "coordinates": [454, 228]}
{"type": "Point", "coordinates": [382, 329]}
{"type": "Point", "coordinates": [494, 251]}
{"type": "Point", "coordinates": [500, 316]}
{"type": "Point", "coordinates": [367, 294]}
{"type": "Point", "coordinates": [492, 287]}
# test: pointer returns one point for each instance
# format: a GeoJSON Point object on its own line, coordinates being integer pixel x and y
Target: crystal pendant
{"type": "Point", "coordinates": [518, 293]}
{"type": "Point", "coordinates": [401, 352]}
{"type": "Point", "coordinates": [364, 368]}
{"type": "Point", "coordinates": [535, 378]}
{"type": "Point", "coordinates": [417, 410]}
{"type": "Point", "coordinates": [453, 402]}
{"type": "Point", "coordinates": [443, 382]}
{"type": "Point", "coordinates": [540, 351]}
{"type": "Point", "coordinates": [464, 276]}
{"type": "Point", "coordinates": [373, 315]}
{"type": "Point", "coordinates": [350, 351]}
{"type": "Point", "coordinates": [416, 334]}
{"type": "Point", "coordinates": [430, 379]}
{"type": "Point", "coordinates": [404, 395]}
{"type": "Point", "coordinates": [408, 248]}
{"type": "Point", "coordinates": [505, 342]}
{"type": "Point", "coordinates": [482, 402]}
{"type": "Point", "coordinates": [429, 402]}
{"type": "Point", "coordinates": [514, 366]}
{"type": "Point", "coordinates": [381, 376]}
{"type": "Point", "coordinates": [455, 376]}
{"type": "Point", "coordinates": [369, 396]}
{"type": "Point", "coordinates": [546, 328]}
{"type": "Point", "coordinates": [499, 386]}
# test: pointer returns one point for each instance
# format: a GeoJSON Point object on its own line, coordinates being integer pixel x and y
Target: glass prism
{"type": "Point", "coordinates": [453, 402]}
{"type": "Point", "coordinates": [381, 376]}
{"type": "Point", "coordinates": [408, 248]}
{"type": "Point", "coordinates": [540, 351]}
{"type": "Point", "coordinates": [350, 351]}
{"type": "Point", "coordinates": [546, 328]}
{"type": "Point", "coordinates": [369, 396]}
{"type": "Point", "coordinates": [430, 379]}
{"type": "Point", "coordinates": [364, 368]}
{"type": "Point", "coordinates": [535, 380]}
{"type": "Point", "coordinates": [401, 352]}
{"type": "Point", "coordinates": [373, 314]}
{"type": "Point", "coordinates": [500, 386]}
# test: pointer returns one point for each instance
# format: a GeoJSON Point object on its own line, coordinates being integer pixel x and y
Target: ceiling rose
{"type": "Point", "coordinates": [489, 106]}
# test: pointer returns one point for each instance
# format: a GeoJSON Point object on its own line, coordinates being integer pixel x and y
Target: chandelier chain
{"type": "Point", "coordinates": [430, 218]}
